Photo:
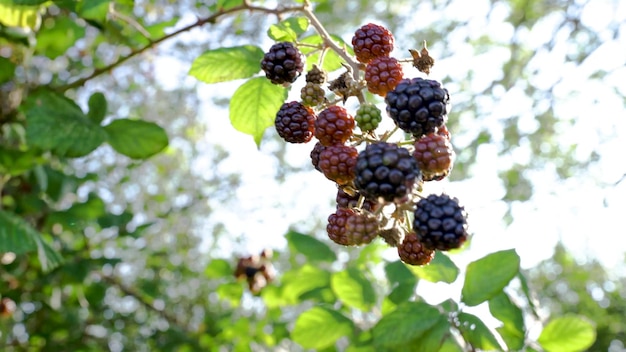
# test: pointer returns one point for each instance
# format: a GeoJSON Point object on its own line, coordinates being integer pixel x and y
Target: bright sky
{"type": "Point", "coordinates": [585, 212]}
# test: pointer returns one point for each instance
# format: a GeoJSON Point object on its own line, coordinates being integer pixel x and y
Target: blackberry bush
{"type": "Point", "coordinates": [351, 227]}
{"type": "Point", "coordinates": [418, 106]}
{"type": "Point", "coordinates": [434, 156]}
{"type": "Point", "coordinates": [337, 163]}
{"type": "Point", "coordinates": [383, 74]}
{"type": "Point", "coordinates": [412, 252]}
{"type": "Point", "coordinates": [368, 117]}
{"type": "Point", "coordinates": [440, 222]}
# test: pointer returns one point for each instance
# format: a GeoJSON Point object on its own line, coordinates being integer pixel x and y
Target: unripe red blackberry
{"type": "Point", "coordinates": [412, 252]}
{"type": "Point", "coordinates": [283, 63]}
{"type": "Point", "coordinates": [345, 200]}
{"type": "Point", "coordinates": [434, 156]}
{"type": "Point", "coordinates": [418, 106]}
{"type": "Point", "coordinates": [443, 132]}
{"type": "Point", "coordinates": [295, 123]}
{"type": "Point", "coordinates": [368, 117]}
{"type": "Point", "coordinates": [337, 163]}
{"type": "Point", "coordinates": [315, 155]}
{"type": "Point", "coordinates": [387, 171]}
{"type": "Point", "coordinates": [440, 222]}
{"type": "Point", "coordinates": [350, 227]}
{"type": "Point", "coordinates": [312, 94]}
{"type": "Point", "coordinates": [383, 74]}
{"type": "Point", "coordinates": [372, 41]}
{"type": "Point", "coordinates": [316, 76]}
{"type": "Point", "coordinates": [334, 126]}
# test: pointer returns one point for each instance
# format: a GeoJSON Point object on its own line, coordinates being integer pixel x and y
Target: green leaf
{"type": "Point", "coordinates": [15, 162]}
{"type": "Point", "coordinates": [354, 289]}
{"type": "Point", "coordinates": [319, 328]}
{"type": "Point", "coordinates": [451, 345]}
{"type": "Point", "coordinates": [97, 107]}
{"type": "Point", "coordinates": [332, 61]}
{"type": "Point", "coordinates": [19, 16]}
{"type": "Point", "coordinates": [7, 70]}
{"type": "Point", "coordinates": [17, 236]}
{"type": "Point", "coordinates": [218, 268]}
{"type": "Point", "coordinates": [306, 279]}
{"type": "Point", "coordinates": [477, 333]}
{"type": "Point", "coordinates": [227, 64]}
{"type": "Point", "coordinates": [96, 10]}
{"type": "Point", "coordinates": [397, 272]}
{"type": "Point", "coordinates": [511, 316]}
{"type": "Point", "coordinates": [289, 29]}
{"type": "Point", "coordinates": [227, 4]}
{"type": "Point", "coordinates": [433, 338]}
{"type": "Point", "coordinates": [440, 269]}
{"type": "Point", "coordinates": [486, 277]}
{"type": "Point", "coordinates": [231, 292]}
{"type": "Point", "coordinates": [408, 322]}
{"type": "Point", "coordinates": [569, 333]}
{"type": "Point", "coordinates": [136, 139]}
{"type": "Point", "coordinates": [57, 36]}
{"type": "Point", "coordinates": [254, 105]}
{"type": "Point", "coordinates": [56, 123]}
{"type": "Point", "coordinates": [23, 2]}
{"type": "Point", "coordinates": [313, 249]}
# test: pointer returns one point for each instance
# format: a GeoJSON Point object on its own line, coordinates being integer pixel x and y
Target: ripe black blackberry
{"type": "Point", "coordinates": [412, 252]}
{"type": "Point", "coordinates": [434, 156]}
{"type": "Point", "coordinates": [351, 227]}
{"type": "Point", "coordinates": [312, 94]}
{"type": "Point", "coordinates": [418, 106]}
{"type": "Point", "coordinates": [387, 171]}
{"type": "Point", "coordinates": [283, 63]}
{"type": "Point", "coordinates": [334, 126]}
{"type": "Point", "coordinates": [372, 41]}
{"type": "Point", "coordinates": [315, 155]}
{"type": "Point", "coordinates": [440, 222]}
{"type": "Point", "coordinates": [316, 75]}
{"type": "Point", "coordinates": [382, 74]}
{"type": "Point", "coordinates": [345, 200]}
{"type": "Point", "coordinates": [337, 163]}
{"type": "Point", "coordinates": [295, 123]}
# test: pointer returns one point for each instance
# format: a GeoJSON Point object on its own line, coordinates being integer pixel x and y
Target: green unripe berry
{"type": "Point", "coordinates": [368, 116]}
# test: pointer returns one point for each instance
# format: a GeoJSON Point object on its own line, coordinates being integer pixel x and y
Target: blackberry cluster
{"type": "Point", "coordinates": [257, 270]}
{"type": "Point", "coordinates": [283, 63]}
{"type": "Point", "coordinates": [418, 106]}
{"type": "Point", "coordinates": [379, 182]}
{"type": "Point", "coordinates": [440, 222]}
{"type": "Point", "coordinates": [334, 125]}
{"type": "Point", "coordinates": [387, 171]}
{"type": "Point", "coordinates": [372, 41]}
{"type": "Point", "coordinates": [295, 123]}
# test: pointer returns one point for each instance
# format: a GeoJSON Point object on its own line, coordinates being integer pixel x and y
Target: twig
{"type": "Point", "coordinates": [200, 22]}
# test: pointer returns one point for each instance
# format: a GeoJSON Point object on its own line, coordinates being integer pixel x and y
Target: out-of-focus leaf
{"type": "Point", "coordinates": [18, 15]}
{"type": "Point", "coordinates": [353, 289]}
{"type": "Point", "coordinates": [7, 69]}
{"type": "Point", "coordinates": [319, 328]}
{"type": "Point", "coordinates": [486, 277]}
{"type": "Point", "coordinates": [218, 268]}
{"type": "Point", "coordinates": [254, 106]}
{"type": "Point", "coordinates": [332, 61]}
{"type": "Point", "coordinates": [303, 280]}
{"type": "Point", "coordinates": [289, 29]}
{"type": "Point", "coordinates": [136, 139]}
{"type": "Point", "coordinates": [95, 10]}
{"type": "Point", "coordinates": [313, 249]}
{"type": "Point", "coordinates": [227, 64]}
{"type": "Point", "coordinates": [56, 123]}
{"type": "Point", "coordinates": [569, 333]}
{"type": "Point", "coordinates": [477, 333]}
{"type": "Point", "coordinates": [511, 316]}
{"type": "Point", "coordinates": [440, 269]}
{"type": "Point", "coordinates": [433, 338]}
{"type": "Point", "coordinates": [408, 322]}
{"type": "Point", "coordinates": [97, 107]}
{"type": "Point", "coordinates": [55, 37]}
